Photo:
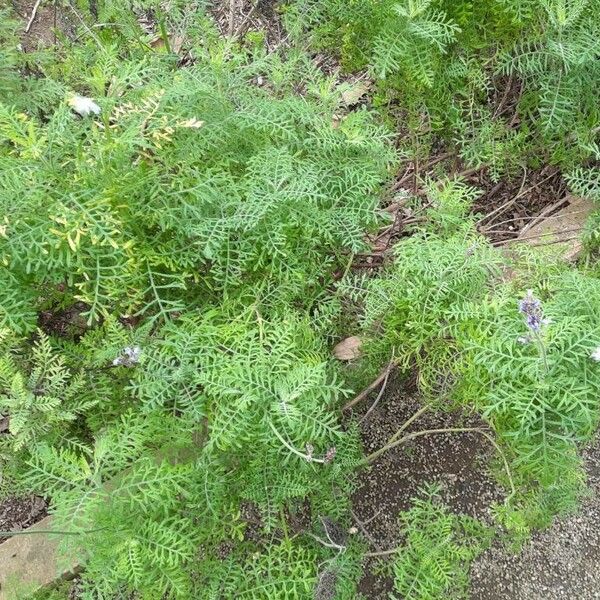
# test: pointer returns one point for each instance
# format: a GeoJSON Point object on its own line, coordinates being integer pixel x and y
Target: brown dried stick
{"type": "Point", "coordinates": [381, 390]}
{"type": "Point", "coordinates": [33, 14]}
{"type": "Point", "coordinates": [381, 377]}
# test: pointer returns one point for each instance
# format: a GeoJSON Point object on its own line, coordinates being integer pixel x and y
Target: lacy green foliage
{"type": "Point", "coordinates": [220, 412]}
{"type": "Point", "coordinates": [434, 561]}
{"type": "Point", "coordinates": [443, 59]}
{"type": "Point", "coordinates": [585, 182]}
{"type": "Point", "coordinates": [200, 218]}
{"type": "Point", "coordinates": [187, 186]}
{"type": "Point", "coordinates": [39, 393]}
{"type": "Point", "coordinates": [435, 277]}
{"type": "Point", "coordinates": [418, 304]}
{"type": "Point", "coordinates": [9, 58]}
{"type": "Point", "coordinates": [393, 38]}
{"type": "Point", "coordinates": [122, 508]}
{"type": "Point", "coordinates": [283, 571]}
{"type": "Point", "coordinates": [443, 307]}
{"type": "Point", "coordinates": [557, 64]}
{"type": "Point", "coordinates": [265, 393]}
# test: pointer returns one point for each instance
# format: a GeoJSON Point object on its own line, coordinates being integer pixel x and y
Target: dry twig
{"type": "Point", "coordinates": [548, 210]}
{"type": "Point", "coordinates": [381, 377]}
{"type": "Point", "coordinates": [32, 16]}
{"type": "Point", "coordinates": [381, 390]}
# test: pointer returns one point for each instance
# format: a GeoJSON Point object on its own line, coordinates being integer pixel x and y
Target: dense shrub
{"type": "Point", "coordinates": [196, 219]}
{"type": "Point", "coordinates": [441, 61]}
{"type": "Point", "coordinates": [177, 235]}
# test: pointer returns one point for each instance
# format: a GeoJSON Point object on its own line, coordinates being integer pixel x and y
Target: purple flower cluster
{"type": "Point", "coordinates": [531, 307]}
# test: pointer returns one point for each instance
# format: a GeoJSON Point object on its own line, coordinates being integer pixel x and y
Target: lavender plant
{"type": "Point", "coordinates": [539, 390]}
{"type": "Point", "coordinates": [525, 360]}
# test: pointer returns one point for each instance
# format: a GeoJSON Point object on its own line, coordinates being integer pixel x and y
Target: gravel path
{"type": "Point", "coordinates": [560, 563]}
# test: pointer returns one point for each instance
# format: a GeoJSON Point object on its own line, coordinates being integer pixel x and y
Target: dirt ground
{"type": "Point", "coordinates": [458, 461]}
{"type": "Point", "coordinates": [50, 19]}
{"type": "Point", "coordinates": [17, 513]}
{"type": "Point", "coordinates": [561, 563]}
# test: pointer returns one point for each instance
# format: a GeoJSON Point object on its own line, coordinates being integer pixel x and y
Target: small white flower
{"type": "Point", "coordinates": [596, 354]}
{"type": "Point", "coordinates": [83, 106]}
{"type": "Point", "coordinates": [129, 357]}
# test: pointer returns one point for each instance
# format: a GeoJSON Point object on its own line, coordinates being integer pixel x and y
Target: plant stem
{"type": "Point", "coordinates": [291, 448]}
{"type": "Point", "coordinates": [542, 348]}
{"type": "Point", "coordinates": [163, 32]}
{"type": "Point", "coordinates": [48, 531]}
{"type": "Point", "coordinates": [284, 524]}
{"type": "Point", "coordinates": [324, 543]}
{"type": "Point", "coordinates": [390, 445]}
{"type": "Point", "coordinates": [407, 423]}
{"type": "Point", "coordinates": [382, 552]}
{"type": "Point", "coordinates": [381, 390]}
{"type": "Point", "coordinates": [370, 387]}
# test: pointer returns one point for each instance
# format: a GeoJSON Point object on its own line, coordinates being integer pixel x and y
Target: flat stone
{"type": "Point", "coordinates": [348, 349]}
{"type": "Point", "coordinates": [563, 228]}
{"type": "Point", "coordinates": [28, 562]}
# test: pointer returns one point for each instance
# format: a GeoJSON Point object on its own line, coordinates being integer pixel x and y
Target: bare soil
{"type": "Point", "coordinates": [51, 19]}
{"type": "Point", "coordinates": [18, 513]}
{"type": "Point", "coordinates": [515, 203]}
{"type": "Point", "coordinates": [457, 461]}
{"type": "Point", "coordinates": [65, 322]}
{"type": "Point", "coordinates": [235, 18]}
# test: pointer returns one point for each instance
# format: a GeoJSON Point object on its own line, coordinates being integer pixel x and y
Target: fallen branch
{"type": "Point", "coordinates": [241, 30]}
{"type": "Point", "coordinates": [383, 552]}
{"type": "Point", "coordinates": [33, 14]}
{"type": "Point", "coordinates": [381, 377]}
{"type": "Point", "coordinates": [506, 205]}
{"type": "Point", "coordinates": [529, 218]}
{"type": "Point", "coordinates": [548, 210]}
{"type": "Point", "coordinates": [545, 234]}
{"type": "Point", "coordinates": [231, 20]}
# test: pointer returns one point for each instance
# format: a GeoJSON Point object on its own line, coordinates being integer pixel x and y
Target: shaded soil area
{"type": "Point", "coordinates": [504, 211]}
{"type": "Point", "coordinates": [457, 461]}
{"type": "Point", "coordinates": [50, 19]}
{"type": "Point", "coordinates": [18, 513]}
{"type": "Point", "coordinates": [512, 206]}
{"type": "Point", "coordinates": [70, 323]}
{"type": "Point", "coordinates": [235, 18]}
{"type": "Point", "coordinates": [560, 563]}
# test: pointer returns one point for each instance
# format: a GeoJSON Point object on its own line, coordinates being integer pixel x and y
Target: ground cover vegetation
{"type": "Point", "coordinates": [197, 213]}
